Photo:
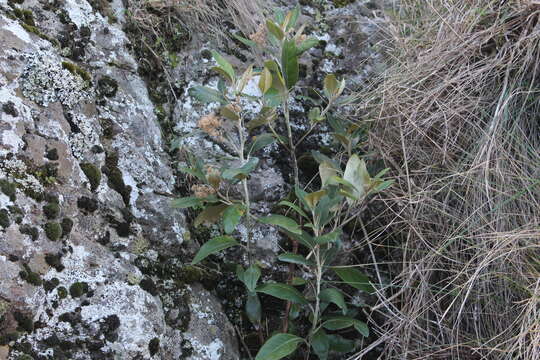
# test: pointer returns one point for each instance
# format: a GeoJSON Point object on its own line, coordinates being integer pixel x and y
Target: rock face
{"type": "Point", "coordinates": [92, 256]}
{"type": "Point", "coordinates": [81, 167]}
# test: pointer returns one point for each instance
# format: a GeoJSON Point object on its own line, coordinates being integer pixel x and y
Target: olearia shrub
{"type": "Point", "coordinates": [313, 221]}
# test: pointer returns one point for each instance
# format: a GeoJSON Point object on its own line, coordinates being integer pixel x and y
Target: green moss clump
{"type": "Point", "coordinates": [87, 204]}
{"type": "Point", "coordinates": [51, 210]}
{"type": "Point", "coordinates": [25, 16]}
{"type": "Point", "coordinates": [9, 189]}
{"type": "Point", "coordinates": [52, 154]}
{"type": "Point", "coordinates": [30, 277]}
{"type": "Point", "coordinates": [31, 231]}
{"type": "Point", "coordinates": [77, 289]}
{"type": "Point", "coordinates": [93, 174]}
{"type": "Point", "coordinates": [9, 337]}
{"type": "Point", "coordinates": [4, 218]}
{"type": "Point", "coordinates": [50, 285]}
{"type": "Point", "coordinates": [67, 225]}
{"type": "Point", "coordinates": [53, 230]}
{"type": "Point", "coordinates": [77, 70]}
{"type": "Point", "coordinates": [62, 292]}
{"type": "Point", "coordinates": [116, 181]}
{"type": "Point", "coordinates": [35, 30]}
{"type": "Point", "coordinates": [55, 261]}
{"type": "Point", "coordinates": [153, 346]}
{"type": "Point", "coordinates": [25, 322]}
{"type": "Point", "coordinates": [107, 86]}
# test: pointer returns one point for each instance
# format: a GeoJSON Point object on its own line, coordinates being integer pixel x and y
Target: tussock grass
{"type": "Point", "coordinates": [457, 117]}
{"type": "Point", "coordinates": [199, 16]}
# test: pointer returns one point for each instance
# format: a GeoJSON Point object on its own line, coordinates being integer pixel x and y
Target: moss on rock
{"type": "Point", "coordinates": [4, 218]}
{"type": "Point", "coordinates": [51, 210]}
{"type": "Point", "coordinates": [9, 189]}
{"type": "Point", "coordinates": [8, 337]}
{"type": "Point", "coordinates": [77, 289]}
{"type": "Point", "coordinates": [107, 86]}
{"type": "Point", "coordinates": [62, 292]}
{"type": "Point", "coordinates": [116, 181]}
{"type": "Point", "coordinates": [77, 70]}
{"type": "Point", "coordinates": [31, 231]}
{"type": "Point", "coordinates": [93, 174]}
{"type": "Point", "coordinates": [67, 225]}
{"type": "Point", "coordinates": [87, 204]}
{"type": "Point", "coordinates": [55, 261]}
{"type": "Point", "coordinates": [53, 230]}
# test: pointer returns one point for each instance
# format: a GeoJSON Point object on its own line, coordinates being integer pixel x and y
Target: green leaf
{"type": "Point", "coordinates": [282, 221]}
{"type": "Point", "coordinates": [265, 116]}
{"type": "Point", "coordinates": [210, 214]}
{"type": "Point", "coordinates": [265, 80]}
{"type": "Point", "coordinates": [320, 344]}
{"type": "Point", "coordinates": [283, 292]}
{"type": "Point", "coordinates": [261, 141]}
{"type": "Point", "coordinates": [327, 172]}
{"type": "Point", "coordinates": [338, 323]}
{"type": "Point", "coordinates": [354, 278]}
{"type": "Point", "coordinates": [335, 296]}
{"type": "Point", "coordinates": [245, 41]}
{"type": "Point", "coordinates": [356, 173]}
{"type": "Point", "coordinates": [224, 64]}
{"type": "Point", "coordinates": [331, 85]}
{"type": "Point", "coordinates": [303, 238]}
{"type": "Point", "coordinates": [301, 195]}
{"type": "Point", "coordinates": [289, 63]}
{"type": "Point", "coordinates": [294, 207]}
{"type": "Point", "coordinates": [293, 18]}
{"type": "Point", "coordinates": [340, 344]}
{"type": "Point", "coordinates": [275, 30]}
{"type": "Point", "coordinates": [207, 95]}
{"type": "Point", "coordinates": [213, 246]}
{"type": "Point", "coordinates": [278, 347]}
{"type": "Point", "coordinates": [253, 308]}
{"type": "Point", "coordinates": [306, 45]}
{"type": "Point", "coordinates": [294, 259]}
{"type": "Point", "coordinates": [241, 172]}
{"type": "Point", "coordinates": [193, 172]}
{"type": "Point", "coordinates": [273, 98]}
{"type": "Point", "coordinates": [329, 237]}
{"type": "Point", "coordinates": [251, 277]}
{"type": "Point", "coordinates": [231, 217]}
{"type": "Point", "coordinates": [186, 202]}
{"type": "Point", "coordinates": [361, 327]}
{"type": "Point", "coordinates": [228, 113]}
{"type": "Point", "coordinates": [297, 281]}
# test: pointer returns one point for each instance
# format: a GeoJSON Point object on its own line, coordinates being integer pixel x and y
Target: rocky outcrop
{"type": "Point", "coordinates": [82, 175]}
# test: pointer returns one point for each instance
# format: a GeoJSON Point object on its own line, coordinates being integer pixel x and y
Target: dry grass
{"type": "Point", "coordinates": [199, 16]}
{"type": "Point", "coordinates": [457, 117]}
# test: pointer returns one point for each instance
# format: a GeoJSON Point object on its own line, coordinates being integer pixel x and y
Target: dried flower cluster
{"type": "Point", "coordinates": [211, 124]}
{"type": "Point", "coordinates": [202, 191]}
{"type": "Point", "coordinates": [259, 36]}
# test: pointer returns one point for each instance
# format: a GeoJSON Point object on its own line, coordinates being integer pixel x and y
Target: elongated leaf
{"type": "Point", "coordinates": [224, 64]}
{"type": "Point", "coordinates": [253, 308]}
{"type": "Point", "coordinates": [331, 85]}
{"type": "Point", "coordinates": [329, 237]}
{"type": "Point", "coordinates": [313, 198]}
{"type": "Point", "coordinates": [282, 221]}
{"type": "Point", "coordinates": [265, 80]}
{"type": "Point", "coordinates": [278, 347]}
{"type": "Point", "coordinates": [356, 173]}
{"type": "Point", "coordinates": [327, 172]}
{"type": "Point", "coordinates": [340, 344]}
{"type": "Point", "coordinates": [241, 172]}
{"type": "Point", "coordinates": [245, 41]}
{"type": "Point", "coordinates": [210, 215]}
{"type": "Point", "coordinates": [223, 73]}
{"type": "Point", "coordinates": [231, 218]}
{"type": "Point", "coordinates": [294, 259]}
{"type": "Point", "coordinates": [320, 344]}
{"type": "Point", "coordinates": [213, 246]}
{"type": "Point", "coordinates": [294, 207]}
{"type": "Point", "coordinates": [186, 202]}
{"type": "Point", "coordinates": [207, 95]}
{"type": "Point", "coordinates": [193, 172]}
{"type": "Point", "coordinates": [335, 296]}
{"type": "Point", "coordinates": [338, 323]}
{"type": "Point", "coordinates": [229, 113]}
{"type": "Point", "coordinates": [265, 116]}
{"type": "Point", "coordinates": [303, 238]}
{"type": "Point", "coordinates": [289, 63]}
{"type": "Point", "coordinates": [361, 327]}
{"type": "Point", "coordinates": [273, 98]}
{"type": "Point", "coordinates": [293, 17]}
{"type": "Point", "coordinates": [244, 79]}
{"type": "Point", "coordinates": [297, 281]}
{"type": "Point", "coordinates": [354, 278]}
{"type": "Point", "coordinates": [283, 292]}
{"type": "Point", "coordinates": [275, 30]}
{"type": "Point", "coordinates": [306, 45]}
{"type": "Point", "coordinates": [251, 277]}
{"type": "Point", "coordinates": [261, 141]}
